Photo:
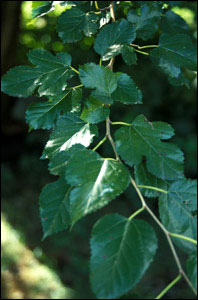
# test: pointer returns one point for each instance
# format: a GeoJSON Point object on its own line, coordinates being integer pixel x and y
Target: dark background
{"type": "Point", "coordinates": [66, 255]}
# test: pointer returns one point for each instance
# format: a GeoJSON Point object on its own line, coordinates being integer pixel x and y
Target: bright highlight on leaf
{"type": "Point", "coordinates": [112, 37]}
{"type": "Point", "coordinates": [97, 181]}
{"type": "Point", "coordinates": [121, 252]}
{"type": "Point", "coordinates": [50, 75]}
{"type": "Point", "coordinates": [69, 130]}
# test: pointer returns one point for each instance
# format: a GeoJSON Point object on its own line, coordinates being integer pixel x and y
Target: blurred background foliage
{"type": "Point", "coordinates": [58, 267]}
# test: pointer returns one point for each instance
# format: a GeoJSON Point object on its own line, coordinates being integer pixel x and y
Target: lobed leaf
{"type": "Point", "coordinates": [129, 56]}
{"type": "Point", "coordinates": [50, 75]}
{"type": "Point", "coordinates": [121, 252]}
{"type": "Point", "coordinates": [171, 23]}
{"type": "Point", "coordinates": [40, 8]}
{"type": "Point", "coordinates": [143, 138]}
{"type": "Point", "coordinates": [97, 181]}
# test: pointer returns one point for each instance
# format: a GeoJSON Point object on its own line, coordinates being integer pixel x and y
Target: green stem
{"type": "Point", "coordinates": [183, 237]}
{"type": "Point", "coordinates": [100, 143]}
{"type": "Point", "coordinates": [169, 287]}
{"type": "Point", "coordinates": [74, 69]}
{"type": "Point", "coordinates": [145, 53]}
{"type": "Point", "coordinates": [148, 46]}
{"type": "Point", "coordinates": [77, 86]}
{"type": "Point", "coordinates": [120, 123]}
{"type": "Point", "coordinates": [152, 188]}
{"type": "Point", "coordinates": [136, 213]}
{"type": "Point", "coordinates": [96, 4]}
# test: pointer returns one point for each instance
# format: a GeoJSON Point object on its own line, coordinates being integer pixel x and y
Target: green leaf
{"type": "Point", "coordinates": [127, 91]}
{"type": "Point", "coordinates": [101, 78]}
{"type": "Point", "coordinates": [143, 138]}
{"type": "Point", "coordinates": [176, 211]}
{"type": "Point", "coordinates": [69, 130]}
{"type": "Point", "coordinates": [50, 75]}
{"type": "Point", "coordinates": [73, 21]}
{"type": "Point", "coordinates": [54, 203]}
{"type": "Point", "coordinates": [40, 8]}
{"type": "Point", "coordinates": [129, 55]}
{"type": "Point", "coordinates": [171, 23]}
{"type": "Point", "coordinates": [110, 39]}
{"type": "Point", "coordinates": [147, 23]}
{"type": "Point", "coordinates": [97, 181]}
{"type": "Point", "coordinates": [94, 111]}
{"type": "Point", "coordinates": [121, 252]}
{"type": "Point", "coordinates": [58, 162]}
{"type": "Point", "coordinates": [173, 53]}
{"type": "Point", "coordinates": [143, 177]}
{"type": "Point", "coordinates": [44, 114]}
{"type": "Point", "coordinates": [20, 81]}
{"type": "Point", "coordinates": [191, 265]}
{"type": "Point", "coordinates": [55, 71]}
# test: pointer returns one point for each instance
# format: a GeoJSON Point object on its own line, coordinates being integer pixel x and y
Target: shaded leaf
{"type": "Point", "coordinates": [127, 91]}
{"type": "Point", "coordinates": [94, 111]}
{"type": "Point", "coordinates": [191, 265]}
{"type": "Point", "coordinates": [121, 252]}
{"type": "Point", "coordinates": [69, 130]}
{"type": "Point", "coordinates": [143, 138]}
{"type": "Point", "coordinates": [110, 39]}
{"type": "Point", "coordinates": [147, 23]}
{"type": "Point", "coordinates": [171, 23]}
{"type": "Point", "coordinates": [143, 177]}
{"type": "Point", "coordinates": [176, 212]}
{"type": "Point", "coordinates": [54, 203]}
{"type": "Point", "coordinates": [129, 56]}
{"type": "Point", "coordinates": [73, 21]}
{"type": "Point", "coordinates": [97, 181]}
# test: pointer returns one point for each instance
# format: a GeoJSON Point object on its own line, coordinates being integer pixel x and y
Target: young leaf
{"type": "Point", "coordinates": [143, 177]}
{"type": "Point", "coordinates": [127, 91]}
{"type": "Point", "coordinates": [73, 21]}
{"type": "Point", "coordinates": [129, 56]}
{"type": "Point", "coordinates": [94, 111]}
{"type": "Point", "coordinates": [110, 39]}
{"type": "Point", "coordinates": [69, 130]}
{"type": "Point", "coordinates": [176, 211]}
{"type": "Point", "coordinates": [97, 181]}
{"type": "Point", "coordinates": [147, 23]}
{"type": "Point", "coordinates": [54, 207]}
{"type": "Point", "coordinates": [143, 138]}
{"type": "Point", "coordinates": [101, 78]}
{"type": "Point", "coordinates": [191, 265]}
{"type": "Point", "coordinates": [121, 252]}
{"type": "Point", "coordinates": [174, 52]}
